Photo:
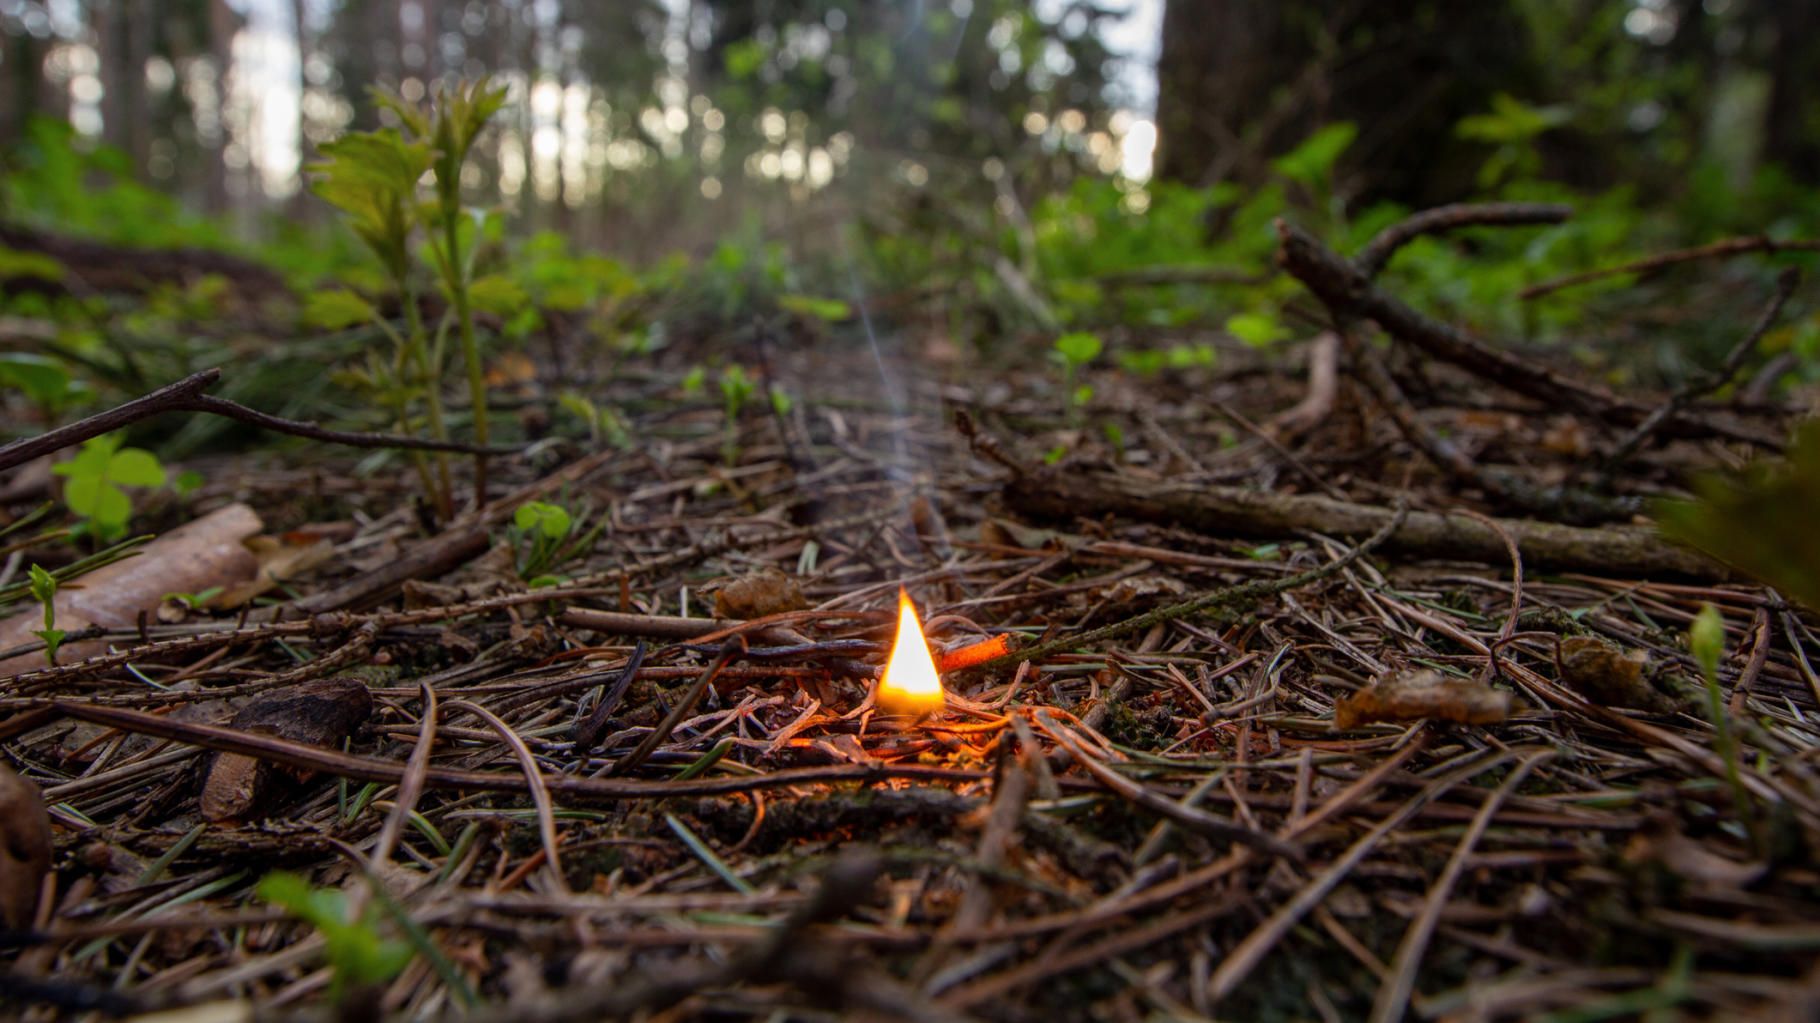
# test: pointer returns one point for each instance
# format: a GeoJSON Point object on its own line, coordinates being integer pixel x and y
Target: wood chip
{"type": "Point", "coordinates": [1422, 694]}
{"type": "Point", "coordinates": [758, 595]}
{"type": "Point", "coordinates": [1611, 677]}
{"type": "Point", "coordinates": [320, 713]}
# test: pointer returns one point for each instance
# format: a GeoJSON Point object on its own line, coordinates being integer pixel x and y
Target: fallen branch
{"type": "Point", "coordinates": [1714, 250]}
{"type": "Point", "coordinates": [1349, 292]}
{"type": "Point", "coordinates": [1241, 595]}
{"type": "Point", "coordinates": [1233, 511]}
{"type": "Point", "coordinates": [1376, 254]}
{"type": "Point", "coordinates": [187, 395]}
{"type": "Point", "coordinates": [1702, 386]}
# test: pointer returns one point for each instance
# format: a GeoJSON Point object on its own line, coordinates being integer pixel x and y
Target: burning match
{"type": "Point", "coordinates": [910, 685]}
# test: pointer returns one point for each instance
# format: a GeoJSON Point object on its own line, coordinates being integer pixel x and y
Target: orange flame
{"type": "Point", "coordinates": [910, 684]}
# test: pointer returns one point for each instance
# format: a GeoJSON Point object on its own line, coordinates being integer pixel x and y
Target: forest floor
{"type": "Point", "coordinates": [1291, 725]}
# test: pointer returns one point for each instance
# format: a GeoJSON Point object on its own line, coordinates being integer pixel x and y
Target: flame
{"type": "Point", "coordinates": [910, 684]}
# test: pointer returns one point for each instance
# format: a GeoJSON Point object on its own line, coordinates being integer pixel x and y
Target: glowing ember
{"type": "Point", "coordinates": [910, 684]}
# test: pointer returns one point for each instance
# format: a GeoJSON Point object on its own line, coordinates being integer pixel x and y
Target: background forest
{"type": "Point", "coordinates": [469, 470]}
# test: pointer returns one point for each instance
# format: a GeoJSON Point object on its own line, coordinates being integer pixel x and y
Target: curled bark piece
{"type": "Point", "coordinates": [1420, 695]}
{"type": "Point", "coordinates": [189, 559]}
{"type": "Point", "coordinates": [319, 713]}
{"type": "Point", "coordinates": [1234, 511]}
{"type": "Point", "coordinates": [25, 849]}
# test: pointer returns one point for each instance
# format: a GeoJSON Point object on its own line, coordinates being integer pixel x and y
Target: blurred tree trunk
{"type": "Point", "coordinates": [1220, 62]}
{"type": "Point", "coordinates": [1240, 82]}
{"type": "Point", "coordinates": [212, 138]}
{"type": "Point", "coordinates": [1792, 135]}
{"type": "Point", "coordinates": [123, 29]}
{"type": "Point", "coordinates": [24, 93]}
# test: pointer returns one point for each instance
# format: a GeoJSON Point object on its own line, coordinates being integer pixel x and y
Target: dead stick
{"type": "Point", "coordinates": [1712, 250]}
{"type": "Point", "coordinates": [186, 396]}
{"type": "Point", "coordinates": [1236, 511]}
{"type": "Point", "coordinates": [1348, 292]}
{"type": "Point", "coordinates": [1700, 387]}
{"type": "Point", "coordinates": [1377, 252]}
{"type": "Point", "coordinates": [358, 768]}
{"type": "Point", "coordinates": [1230, 596]}
{"type": "Point", "coordinates": [684, 707]}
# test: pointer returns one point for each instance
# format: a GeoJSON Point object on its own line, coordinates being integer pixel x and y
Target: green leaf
{"type": "Point", "coordinates": [1706, 639]}
{"type": "Point", "coordinates": [336, 309]}
{"type": "Point", "coordinates": [1082, 394]}
{"type": "Point", "coordinates": [829, 309]}
{"type": "Point", "coordinates": [45, 382]}
{"type": "Point", "coordinates": [1079, 348]}
{"type": "Point", "coordinates": [1312, 162]}
{"type": "Point", "coordinates": [43, 585]}
{"type": "Point", "coordinates": [95, 498]}
{"type": "Point", "coordinates": [692, 383]}
{"type": "Point", "coordinates": [135, 467]}
{"type": "Point", "coordinates": [549, 520]}
{"type": "Point", "coordinates": [781, 401]}
{"type": "Point", "coordinates": [497, 294]}
{"type": "Point", "coordinates": [1255, 329]}
{"type": "Point", "coordinates": [1760, 521]}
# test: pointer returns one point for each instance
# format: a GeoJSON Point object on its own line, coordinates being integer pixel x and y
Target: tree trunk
{"type": "Point", "coordinates": [1792, 136]}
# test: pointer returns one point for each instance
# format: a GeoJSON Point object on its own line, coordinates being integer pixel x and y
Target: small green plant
{"type": "Point", "coordinates": [1706, 642]}
{"type": "Point", "coordinates": [44, 382]}
{"type": "Point", "coordinates": [44, 591]}
{"type": "Point", "coordinates": [372, 177]}
{"type": "Point", "coordinates": [195, 601]}
{"type": "Point", "coordinates": [1072, 352]}
{"type": "Point", "coordinates": [1759, 521]}
{"type": "Point", "coordinates": [695, 380]}
{"type": "Point", "coordinates": [736, 389]}
{"type": "Point", "coordinates": [548, 537]}
{"type": "Point", "coordinates": [359, 955]}
{"type": "Point", "coordinates": [601, 422]}
{"type": "Point", "coordinates": [94, 479]}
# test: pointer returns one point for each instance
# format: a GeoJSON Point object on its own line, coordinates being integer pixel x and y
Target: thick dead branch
{"type": "Point", "coordinates": [1349, 292]}
{"type": "Point", "coordinates": [1232, 511]}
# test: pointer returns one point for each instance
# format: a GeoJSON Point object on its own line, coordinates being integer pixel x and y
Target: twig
{"type": "Point", "coordinates": [534, 780]}
{"type": "Point", "coordinates": [1193, 818]}
{"type": "Point", "coordinates": [1376, 254]}
{"type": "Point", "coordinates": [1704, 385]}
{"type": "Point", "coordinates": [1248, 953]}
{"type": "Point", "coordinates": [1230, 596]}
{"type": "Point", "coordinates": [1566, 504]}
{"type": "Point", "coordinates": [587, 732]}
{"type": "Point", "coordinates": [1393, 997]}
{"type": "Point", "coordinates": [985, 445]}
{"type": "Point", "coordinates": [186, 396]}
{"type": "Point", "coordinates": [685, 705]}
{"type": "Point", "coordinates": [1713, 250]}
{"type": "Point", "coordinates": [410, 786]}
{"type": "Point", "coordinates": [359, 768]}
{"type": "Point", "coordinates": [1348, 292]}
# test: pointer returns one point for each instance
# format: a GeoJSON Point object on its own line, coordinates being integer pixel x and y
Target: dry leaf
{"type": "Point", "coordinates": [25, 849]}
{"type": "Point", "coordinates": [1608, 676]}
{"type": "Point", "coordinates": [1416, 695]}
{"type": "Point", "coordinates": [189, 559]}
{"type": "Point", "coordinates": [319, 713]}
{"type": "Point", "coordinates": [758, 595]}
{"type": "Point", "coordinates": [280, 560]}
